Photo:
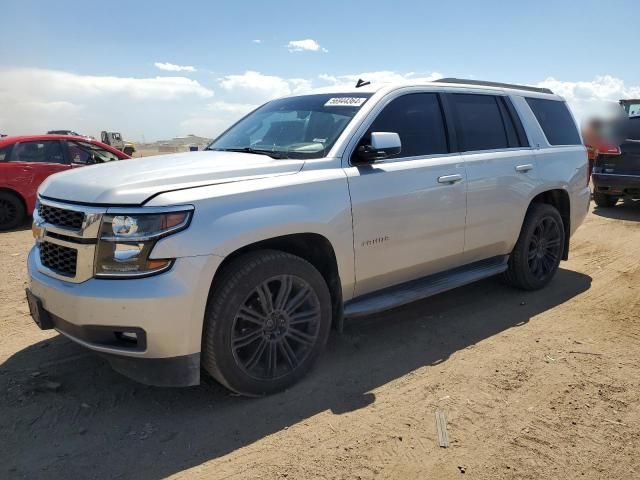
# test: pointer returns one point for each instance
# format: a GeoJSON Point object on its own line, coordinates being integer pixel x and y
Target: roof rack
{"type": "Point", "coordinates": [494, 84]}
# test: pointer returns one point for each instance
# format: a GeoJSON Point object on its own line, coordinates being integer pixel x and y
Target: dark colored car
{"type": "Point", "coordinates": [26, 161]}
{"type": "Point", "coordinates": [618, 176]}
{"type": "Point", "coordinates": [64, 132]}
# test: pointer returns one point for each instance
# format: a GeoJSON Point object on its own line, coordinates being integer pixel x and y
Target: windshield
{"type": "Point", "coordinates": [306, 126]}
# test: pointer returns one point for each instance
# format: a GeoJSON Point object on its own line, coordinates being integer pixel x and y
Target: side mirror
{"type": "Point", "coordinates": [382, 145]}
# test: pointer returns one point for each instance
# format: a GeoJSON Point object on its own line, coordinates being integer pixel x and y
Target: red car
{"type": "Point", "coordinates": [27, 160]}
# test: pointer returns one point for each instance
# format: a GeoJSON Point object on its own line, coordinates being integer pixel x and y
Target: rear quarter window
{"type": "Point", "coordinates": [556, 121]}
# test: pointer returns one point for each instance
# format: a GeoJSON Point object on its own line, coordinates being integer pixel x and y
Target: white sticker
{"type": "Point", "coordinates": [319, 140]}
{"type": "Point", "coordinates": [345, 102]}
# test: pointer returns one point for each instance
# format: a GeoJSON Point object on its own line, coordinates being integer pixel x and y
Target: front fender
{"type": "Point", "coordinates": [230, 217]}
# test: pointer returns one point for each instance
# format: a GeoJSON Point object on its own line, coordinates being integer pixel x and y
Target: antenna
{"type": "Point", "coordinates": [362, 83]}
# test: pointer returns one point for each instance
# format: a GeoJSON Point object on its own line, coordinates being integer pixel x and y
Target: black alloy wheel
{"type": "Point", "coordinates": [276, 327]}
{"type": "Point", "coordinates": [545, 247]}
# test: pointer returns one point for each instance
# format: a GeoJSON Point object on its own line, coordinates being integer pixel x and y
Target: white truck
{"type": "Point", "coordinates": [312, 208]}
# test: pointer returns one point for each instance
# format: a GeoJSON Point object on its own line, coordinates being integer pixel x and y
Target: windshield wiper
{"type": "Point", "coordinates": [269, 153]}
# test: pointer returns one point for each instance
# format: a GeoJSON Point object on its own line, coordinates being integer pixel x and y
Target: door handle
{"type": "Point", "coordinates": [524, 168]}
{"type": "Point", "coordinates": [450, 178]}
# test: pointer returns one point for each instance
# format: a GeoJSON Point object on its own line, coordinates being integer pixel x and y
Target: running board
{"type": "Point", "coordinates": [424, 287]}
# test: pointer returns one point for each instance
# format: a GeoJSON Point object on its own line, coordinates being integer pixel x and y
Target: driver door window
{"type": "Point", "coordinates": [78, 154]}
{"type": "Point", "coordinates": [418, 120]}
{"type": "Point", "coordinates": [86, 153]}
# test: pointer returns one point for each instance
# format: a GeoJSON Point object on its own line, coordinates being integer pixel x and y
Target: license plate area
{"type": "Point", "coordinates": [40, 316]}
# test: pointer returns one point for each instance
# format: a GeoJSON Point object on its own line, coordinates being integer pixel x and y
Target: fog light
{"type": "Point", "coordinates": [130, 337]}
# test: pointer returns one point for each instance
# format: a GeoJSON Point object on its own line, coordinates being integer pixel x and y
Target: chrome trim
{"type": "Point", "coordinates": [71, 206]}
{"type": "Point", "coordinates": [90, 230]}
{"type": "Point", "coordinates": [142, 210]}
{"type": "Point", "coordinates": [147, 273]}
{"type": "Point", "coordinates": [615, 174]}
{"type": "Point", "coordinates": [90, 225]}
{"type": "Point", "coordinates": [84, 260]}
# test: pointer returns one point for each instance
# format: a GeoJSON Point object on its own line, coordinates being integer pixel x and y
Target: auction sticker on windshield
{"type": "Point", "coordinates": [345, 102]}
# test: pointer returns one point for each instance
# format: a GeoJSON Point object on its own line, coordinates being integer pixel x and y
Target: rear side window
{"type": "Point", "coordinates": [417, 118]}
{"type": "Point", "coordinates": [483, 122]}
{"type": "Point", "coordinates": [46, 151]}
{"type": "Point", "coordinates": [556, 121]}
{"type": "Point", "coordinates": [4, 153]}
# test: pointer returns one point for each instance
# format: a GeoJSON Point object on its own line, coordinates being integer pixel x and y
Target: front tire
{"type": "Point", "coordinates": [12, 212]}
{"type": "Point", "coordinates": [267, 320]}
{"type": "Point", "coordinates": [536, 256]}
{"type": "Point", "coordinates": [605, 201]}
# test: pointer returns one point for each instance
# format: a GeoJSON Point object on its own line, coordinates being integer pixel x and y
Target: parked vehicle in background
{"type": "Point", "coordinates": [66, 132]}
{"type": "Point", "coordinates": [616, 172]}
{"type": "Point", "coordinates": [311, 208]}
{"type": "Point", "coordinates": [26, 161]}
{"type": "Point", "coordinates": [631, 106]}
{"type": "Point", "coordinates": [115, 140]}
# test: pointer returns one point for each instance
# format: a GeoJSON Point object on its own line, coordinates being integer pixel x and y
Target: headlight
{"type": "Point", "coordinates": [126, 240]}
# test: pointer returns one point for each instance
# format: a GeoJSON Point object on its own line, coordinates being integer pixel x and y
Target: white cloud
{"type": "Point", "coordinates": [254, 87]}
{"type": "Point", "coordinates": [203, 126]}
{"type": "Point", "coordinates": [258, 41]}
{"type": "Point", "coordinates": [382, 76]}
{"type": "Point", "coordinates": [61, 85]}
{"type": "Point", "coordinates": [592, 97]}
{"type": "Point", "coordinates": [171, 67]}
{"type": "Point", "coordinates": [233, 108]}
{"type": "Point", "coordinates": [308, 45]}
{"type": "Point", "coordinates": [37, 100]}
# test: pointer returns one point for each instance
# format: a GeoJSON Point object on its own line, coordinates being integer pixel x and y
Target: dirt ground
{"type": "Point", "coordinates": [541, 385]}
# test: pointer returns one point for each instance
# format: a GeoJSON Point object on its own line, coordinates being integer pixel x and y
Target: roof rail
{"type": "Point", "coordinates": [494, 84]}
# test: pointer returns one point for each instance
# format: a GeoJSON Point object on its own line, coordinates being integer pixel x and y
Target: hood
{"type": "Point", "coordinates": [133, 181]}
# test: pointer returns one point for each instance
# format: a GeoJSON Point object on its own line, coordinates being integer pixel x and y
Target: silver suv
{"type": "Point", "coordinates": [310, 209]}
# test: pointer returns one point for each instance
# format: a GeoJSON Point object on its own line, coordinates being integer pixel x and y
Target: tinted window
{"type": "Point", "coordinates": [633, 130]}
{"type": "Point", "coordinates": [47, 151]}
{"type": "Point", "coordinates": [417, 118]}
{"type": "Point", "coordinates": [479, 122]}
{"type": "Point", "coordinates": [4, 153]}
{"type": "Point", "coordinates": [82, 152]}
{"type": "Point", "coordinates": [556, 121]}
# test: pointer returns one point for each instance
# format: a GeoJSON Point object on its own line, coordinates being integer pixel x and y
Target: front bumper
{"type": "Point", "coordinates": [166, 312]}
{"type": "Point", "coordinates": [618, 185]}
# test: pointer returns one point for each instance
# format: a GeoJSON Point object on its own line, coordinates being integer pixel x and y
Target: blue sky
{"type": "Point", "coordinates": [92, 65]}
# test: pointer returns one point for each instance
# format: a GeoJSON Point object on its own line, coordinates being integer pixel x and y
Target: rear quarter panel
{"type": "Point", "coordinates": [559, 167]}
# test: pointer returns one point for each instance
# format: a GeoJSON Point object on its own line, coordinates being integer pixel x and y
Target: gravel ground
{"type": "Point", "coordinates": [532, 385]}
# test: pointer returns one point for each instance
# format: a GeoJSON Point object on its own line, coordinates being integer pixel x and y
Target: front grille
{"type": "Point", "coordinates": [61, 217]}
{"type": "Point", "coordinates": [61, 260]}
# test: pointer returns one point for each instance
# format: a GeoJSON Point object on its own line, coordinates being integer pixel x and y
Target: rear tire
{"type": "Point", "coordinates": [267, 320]}
{"type": "Point", "coordinates": [12, 211]}
{"type": "Point", "coordinates": [536, 256]}
{"type": "Point", "coordinates": [605, 201]}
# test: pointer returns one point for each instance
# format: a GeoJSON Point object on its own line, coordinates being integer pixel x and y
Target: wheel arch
{"type": "Point", "coordinates": [16, 193]}
{"type": "Point", "coordinates": [19, 196]}
{"type": "Point", "coordinates": [312, 247]}
{"type": "Point", "coordinates": [561, 201]}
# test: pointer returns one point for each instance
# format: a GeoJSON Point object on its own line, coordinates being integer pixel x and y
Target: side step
{"type": "Point", "coordinates": [424, 287]}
